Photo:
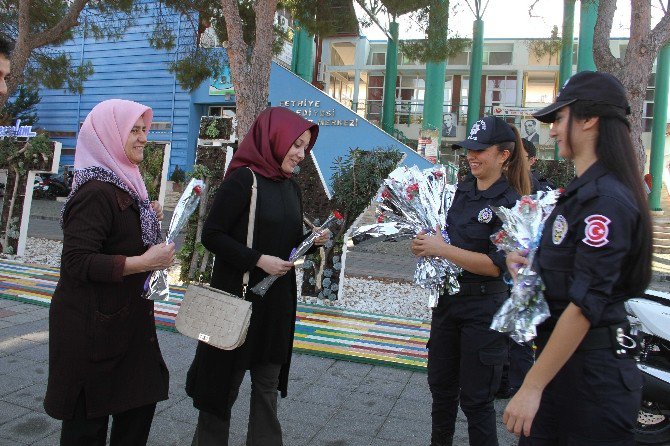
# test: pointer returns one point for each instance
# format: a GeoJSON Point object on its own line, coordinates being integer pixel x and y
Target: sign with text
{"type": "Point", "coordinates": [501, 110]}
{"type": "Point", "coordinates": [312, 111]}
{"type": "Point", "coordinates": [18, 130]}
{"type": "Point", "coordinates": [428, 140]}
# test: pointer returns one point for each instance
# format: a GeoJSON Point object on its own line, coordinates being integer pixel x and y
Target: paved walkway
{"type": "Point", "coordinates": [330, 402]}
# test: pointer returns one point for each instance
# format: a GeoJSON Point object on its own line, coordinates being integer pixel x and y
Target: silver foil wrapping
{"type": "Point", "coordinates": [526, 307]}
{"type": "Point", "coordinates": [409, 202]}
{"type": "Point", "coordinates": [156, 286]}
{"type": "Point", "coordinates": [264, 285]}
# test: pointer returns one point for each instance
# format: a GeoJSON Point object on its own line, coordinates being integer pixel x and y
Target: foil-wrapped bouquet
{"type": "Point", "coordinates": [409, 202]}
{"type": "Point", "coordinates": [264, 285]}
{"type": "Point", "coordinates": [156, 286]}
{"type": "Point", "coordinates": [526, 307]}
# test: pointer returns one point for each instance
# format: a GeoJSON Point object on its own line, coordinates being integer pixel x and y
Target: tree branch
{"type": "Point", "coordinates": [660, 35]}
{"type": "Point", "coordinates": [69, 21]}
{"type": "Point", "coordinates": [372, 17]}
{"type": "Point", "coordinates": [602, 54]}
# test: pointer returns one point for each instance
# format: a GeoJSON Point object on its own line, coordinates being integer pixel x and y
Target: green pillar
{"type": "Point", "coordinates": [475, 83]}
{"type": "Point", "coordinates": [388, 104]}
{"type": "Point", "coordinates": [566, 48]}
{"type": "Point", "coordinates": [658, 127]}
{"type": "Point", "coordinates": [301, 58]}
{"type": "Point", "coordinates": [567, 41]}
{"type": "Point", "coordinates": [587, 24]}
{"type": "Point", "coordinates": [433, 102]}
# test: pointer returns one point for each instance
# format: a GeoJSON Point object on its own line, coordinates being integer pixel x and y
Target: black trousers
{"type": "Point", "coordinates": [593, 400]}
{"type": "Point", "coordinates": [519, 361]}
{"type": "Point", "coordinates": [465, 360]}
{"type": "Point", "coordinates": [129, 428]}
{"type": "Point", "coordinates": [263, 428]}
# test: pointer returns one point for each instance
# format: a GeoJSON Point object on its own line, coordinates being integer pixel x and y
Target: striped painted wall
{"type": "Point", "coordinates": [127, 68]}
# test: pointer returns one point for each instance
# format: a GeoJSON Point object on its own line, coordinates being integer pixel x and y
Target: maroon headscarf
{"type": "Point", "coordinates": [271, 136]}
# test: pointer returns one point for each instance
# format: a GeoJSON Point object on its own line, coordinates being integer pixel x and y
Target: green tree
{"type": "Point", "coordinates": [22, 107]}
{"type": "Point", "coordinates": [38, 26]}
{"type": "Point", "coordinates": [546, 47]}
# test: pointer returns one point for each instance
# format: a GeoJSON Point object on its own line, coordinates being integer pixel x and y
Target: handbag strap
{"type": "Point", "coordinates": [250, 228]}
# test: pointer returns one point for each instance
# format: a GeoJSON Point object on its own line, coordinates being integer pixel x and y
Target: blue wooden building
{"type": "Point", "coordinates": [130, 69]}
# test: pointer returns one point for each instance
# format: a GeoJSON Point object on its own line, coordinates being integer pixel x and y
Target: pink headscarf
{"type": "Point", "coordinates": [101, 155]}
{"type": "Point", "coordinates": [103, 136]}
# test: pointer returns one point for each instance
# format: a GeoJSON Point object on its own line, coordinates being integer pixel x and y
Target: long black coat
{"type": "Point", "coordinates": [278, 229]}
{"type": "Point", "coordinates": [102, 334]}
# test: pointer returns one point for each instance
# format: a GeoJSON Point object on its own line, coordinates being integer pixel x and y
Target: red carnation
{"type": "Point", "coordinates": [386, 194]}
{"type": "Point", "coordinates": [337, 215]}
{"type": "Point", "coordinates": [413, 188]}
{"type": "Point", "coordinates": [438, 174]}
{"type": "Point", "coordinates": [197, 190]}
{"type": "Point", "coordinates": [380, 219]}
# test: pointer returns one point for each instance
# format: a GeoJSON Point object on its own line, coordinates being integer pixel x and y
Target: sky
{"type": "Point", "coordinates": [510, 19]}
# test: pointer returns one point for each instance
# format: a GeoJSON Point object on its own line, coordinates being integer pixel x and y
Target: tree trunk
{"type": "Point", "coordinates": [250, 67]}
{"type": "Point", "coordinates": [635, 69]}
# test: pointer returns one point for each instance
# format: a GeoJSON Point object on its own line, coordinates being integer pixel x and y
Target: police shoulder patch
{"type": "Point", "coordinates": [596, 230]}
{"type": "Point", "coordinates": [485, 215]}
{"type": "Point", "coordinates": [559, 229]}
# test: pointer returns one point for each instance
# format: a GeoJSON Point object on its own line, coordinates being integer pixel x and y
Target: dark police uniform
{"type": "Point", "coordinates": [539, 183]}
{"type": "Point", "coordinates": [584, 258]}
{"type": "Point", "coordinates": [465, 357]}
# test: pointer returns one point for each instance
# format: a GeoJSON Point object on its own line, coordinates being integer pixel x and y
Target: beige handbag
{"type": "Point", "coordinates": [217, 317]}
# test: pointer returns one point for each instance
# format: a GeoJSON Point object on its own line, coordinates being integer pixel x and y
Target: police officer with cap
{"type": "Point", "coordinates": [465, 357]}
{"type": "Point", "coordinates": [538, 182]}
{"type": "Point", "coordinates": [595, 253]}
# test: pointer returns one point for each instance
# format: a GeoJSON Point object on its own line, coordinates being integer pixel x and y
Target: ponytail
{"type": "Point", "coordinates": [516, 166]}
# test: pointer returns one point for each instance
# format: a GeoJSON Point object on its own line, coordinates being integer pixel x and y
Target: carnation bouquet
{"type": "Point", "coordinates": [412, 201]}
{"type": "Point", "coordinates": [156, 286]}
{"type": "Point", "coordinates": [526, 307]}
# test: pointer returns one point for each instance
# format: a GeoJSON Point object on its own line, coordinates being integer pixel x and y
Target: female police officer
{"type": "Point", "coordinates": [465, 357]}
{"type": "Point", "coordinates": [595, 252]}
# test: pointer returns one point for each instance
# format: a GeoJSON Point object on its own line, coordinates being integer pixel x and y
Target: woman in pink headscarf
{"type": "Point", "coordinates": [104, 357]}
{"type": "Point", "coordinates": [277, 142]}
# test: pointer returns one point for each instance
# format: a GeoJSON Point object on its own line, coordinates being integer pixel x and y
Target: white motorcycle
{"type": "Point", "coordinates": [650, 324]}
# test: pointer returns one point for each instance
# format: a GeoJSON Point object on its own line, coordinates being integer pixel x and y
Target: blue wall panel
{"type": "Point", "coordinates": [127, 69]}
{"type": "Point", "coordinates": [350, 130]}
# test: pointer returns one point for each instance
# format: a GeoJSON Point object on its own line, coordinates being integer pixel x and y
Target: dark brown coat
{"type": "Point", "coordinates": [102, 334]}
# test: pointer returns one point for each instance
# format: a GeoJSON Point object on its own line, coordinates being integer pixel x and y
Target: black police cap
{"type": "Point", "coordinates": [592, 86]}
{"type": "Point", "coordinates": [486, 132]}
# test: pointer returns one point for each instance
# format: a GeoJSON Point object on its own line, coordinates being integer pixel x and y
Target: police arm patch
{"type": "Point", "coordinates": [596, 230]}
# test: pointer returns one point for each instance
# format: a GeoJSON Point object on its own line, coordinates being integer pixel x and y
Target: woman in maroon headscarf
{"type": "Point", "coordinates": [276, 143]}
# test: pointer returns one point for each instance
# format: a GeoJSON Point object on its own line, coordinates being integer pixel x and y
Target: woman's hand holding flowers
{"type": "Point", "coordinates": [274, 266]}
{"type": "Point", "coordinates": [515, 260]}
{"type": "Point", "coordinates": [158, 209]}
{"type": "Point", "coordinates": [323, 237]}
{"type": "Point", "coordinates": [429, 245]}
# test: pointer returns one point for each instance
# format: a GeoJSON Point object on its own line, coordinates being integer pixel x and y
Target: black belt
{"type": "Point", "coordinates": [482, 288]}
{"type": "Point", "coordinates": [596, 338]}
